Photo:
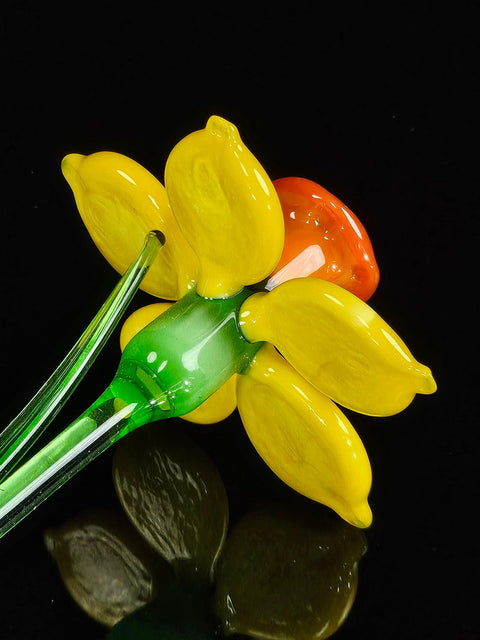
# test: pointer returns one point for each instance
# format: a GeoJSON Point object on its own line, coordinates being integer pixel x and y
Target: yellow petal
{"type": "Point", "coordinates": [139, 319]}
{"type": "Point", "coordinates": [119, 202]}
{"type": "Point", "coordinates": [215, 408]}
{"type": "Point", "coordinates": [218, 406]}
{"type": "Point", "coordinates": [226, 207]}
{"type": "Point", "coordinates": [339, 344]}
{"type": "Point", "coordinates": [304, 437]}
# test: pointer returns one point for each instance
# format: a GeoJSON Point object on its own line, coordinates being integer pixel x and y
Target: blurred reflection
{"type": "Point", "coordinates": [288, 573]}
{"type": "Point", "coordinates": [107, 568]}
{"type": "Point", "coordinates": [174, 496]}
{"type": "Point", "coordinates": [168, 570]}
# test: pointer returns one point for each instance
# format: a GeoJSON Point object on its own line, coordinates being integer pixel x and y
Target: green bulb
{"type": "Point", "coordinates": [181, 358]}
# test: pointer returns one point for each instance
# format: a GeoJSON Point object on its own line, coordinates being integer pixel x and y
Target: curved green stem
{"type": "Point", "coordinates": [31, 422]}
{"type": "Point", "coordinates": [58, 461]}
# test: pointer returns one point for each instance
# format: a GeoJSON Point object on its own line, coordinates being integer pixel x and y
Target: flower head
{"type": "Point", "coordinates": [225, 230]}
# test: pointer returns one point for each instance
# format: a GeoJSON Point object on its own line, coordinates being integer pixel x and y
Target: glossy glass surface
{"type": "Point", "coordinates": [226, 207]}
{"type": "Point", "coordinates": [186, 354]}
{"type": "Point", "coordinates": [344, 349]}
{"type": "Point", "coordinates": [17, 438]}
{"type": "Point", "coordinates": [386, 119]}
{"type": "Point", "coordinates": [228, 213]}
{"type": "Point", "coordinates": [309, 442]}
{"type": "Point", "coordinates": [119, 202]}
{"type": "Point", "coordinates": [216, 407]}
{"type": "Point", "coordinates": [323, 239]}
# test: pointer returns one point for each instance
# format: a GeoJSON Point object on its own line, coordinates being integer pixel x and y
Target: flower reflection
{"type": "Point", "coordinates": [168, 568]}
{"type": "Point", "coordinates": [288, 573]}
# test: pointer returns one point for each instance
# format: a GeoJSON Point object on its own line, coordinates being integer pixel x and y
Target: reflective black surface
{"type": "Point", "coordinates": [377, 108]}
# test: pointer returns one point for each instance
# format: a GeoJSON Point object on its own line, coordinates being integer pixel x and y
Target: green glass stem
{"type": "Point", "coordinates": [168, 369]}
{"type": "Point", "coordinates": [58, 461]}
{"type": "Point", "coordinates": [31, 422]}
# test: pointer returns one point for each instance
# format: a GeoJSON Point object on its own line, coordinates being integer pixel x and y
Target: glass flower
{"type": "Point", "coordinates": [319, 344]}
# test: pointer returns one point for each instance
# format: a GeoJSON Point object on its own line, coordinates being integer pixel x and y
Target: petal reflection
{"type": "Point", "coordinates": [287, 573]}
{"type": "Point", "coordinates": [105, 565]}
{"type": "Point", "coordinates": [174, 496]}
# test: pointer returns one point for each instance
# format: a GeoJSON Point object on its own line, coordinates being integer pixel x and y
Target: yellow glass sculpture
{"type": "Point", "coordinates": [334, 346]}
{"type": "Point", "coordinates": [223, 224]}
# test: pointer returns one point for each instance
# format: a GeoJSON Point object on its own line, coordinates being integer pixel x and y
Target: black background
{"type": "Point", "coordinates": [377, 106]}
